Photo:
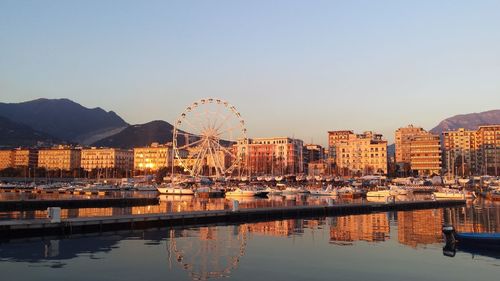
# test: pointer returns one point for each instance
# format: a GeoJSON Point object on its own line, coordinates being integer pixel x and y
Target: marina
{"type": "Point", "coordinates": [410, 242]}
{"type": "Point", "coordinates": [17, 228]}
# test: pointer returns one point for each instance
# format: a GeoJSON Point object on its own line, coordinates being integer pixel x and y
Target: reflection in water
{"type": "Point", "coordinates": [420, 227]}
{"type": "Point", "coordinates": [214, 252]}
{"type": "Point", "coordinates": [371, 228]}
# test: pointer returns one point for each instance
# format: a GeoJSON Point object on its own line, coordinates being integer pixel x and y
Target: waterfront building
{"type": "Point", "coordinates": [153, 157]}
{"type": "Point", "coordinates": [266, 156]}
{"type": "Point", "coordinates": [313, 153]}
{"type": "Point", "coordinates": [361, 154]}
{"type": "Point", "coordinates": [459, 155]}
{"type": "Point", "coordinates": [334, 138]}
{"type": "Point", "coordinates": [107, 158]}
{"type": "Point", "coordinates": [59, 158]}
{"type": "Point", "coordinates": [425, 154]}
{"type": "Point", "coordinates": [25, 157]}
{"type": "Point", "coordinates": [488, 150]}
{"type": "Point", "coordinates": [402, 140]}
{"type": "Point", "coordinates": [318, 168]}
{"type": "Point", "coordinates": [314, 157]}
{"type": "Point", "coordinates": [6, 158]}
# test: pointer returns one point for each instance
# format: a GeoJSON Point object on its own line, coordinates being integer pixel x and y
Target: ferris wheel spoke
{"type": "Point", "coordinates": [227, 130]}
{"type": "Point", "coordinates": [221, 163]}
{"type": "Point", "coordinates": [215, 162]}
{"type": "Point", "coordinates": [199, 157]}
{"type": "Point", "coordinates": [220, 147]}
{"type": "Point", "coordinates": [201, 120]}
{"type": "Point", "coordinates": [195, 128]}
{"type": "Point", "coordinates": [226, 118]}
{"type": "Point", "coordinates": [217, 114]}
{"type": "Point", "coordinates": [190, 144]}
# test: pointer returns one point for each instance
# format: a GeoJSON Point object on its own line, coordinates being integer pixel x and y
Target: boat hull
{"type": "Point", "coordinates": [175, 191]}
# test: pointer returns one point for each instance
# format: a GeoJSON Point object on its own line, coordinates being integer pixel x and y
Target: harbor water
{"type": "Point", "coordinates": [382, 246]}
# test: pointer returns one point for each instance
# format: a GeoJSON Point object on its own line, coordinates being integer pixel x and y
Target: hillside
{"type": "Point", "coordinates": [63, 119]}
{"type": "Point", "coordinates": [14, 135]}
{"type": "Point", "coordinates": [468, 121]}
{"type": "Point", "coordinates": [141, 135]}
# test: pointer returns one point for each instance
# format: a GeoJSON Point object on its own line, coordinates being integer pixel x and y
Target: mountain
{"type": "Point", "coordinates": [64, 119]}
{"type": "Point", "coordinates": [14, 135]}
{"type": "Point", "coordinates": [469, 121]}
{"type": "Point", "coordinates": [139, 135]}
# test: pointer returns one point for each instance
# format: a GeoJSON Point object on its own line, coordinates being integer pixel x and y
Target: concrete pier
{"type": "Point", "coordinates": [40, 204]}
{"type": "Point", "coordinates": [40, 227]}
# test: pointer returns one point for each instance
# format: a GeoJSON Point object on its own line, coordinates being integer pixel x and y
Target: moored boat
{"type": "Point", "coordinates": [174, 190]}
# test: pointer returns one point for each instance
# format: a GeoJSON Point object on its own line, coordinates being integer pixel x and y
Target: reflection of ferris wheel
{"type": "Point", "coordinates": [207, 253]}
{"type": "Point", "coordinates": [213, 126]}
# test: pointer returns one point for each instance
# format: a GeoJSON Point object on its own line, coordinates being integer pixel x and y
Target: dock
{"type": "Point", "coordinates": [12, 229]}
{"type": "Point", "coordinates": [42, 204]}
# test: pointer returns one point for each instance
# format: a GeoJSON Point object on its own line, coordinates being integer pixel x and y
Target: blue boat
{"type": "Point", "coordinates": [451, 236]}
{"type": "Point", "coordinates": [480, 238]}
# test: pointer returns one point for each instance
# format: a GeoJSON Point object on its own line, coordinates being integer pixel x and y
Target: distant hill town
{"type": "Point", "coordinates": [50, 121]}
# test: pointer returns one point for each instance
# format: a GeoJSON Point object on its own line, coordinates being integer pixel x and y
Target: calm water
{"type": "Point", "coordinates": [385, 246]}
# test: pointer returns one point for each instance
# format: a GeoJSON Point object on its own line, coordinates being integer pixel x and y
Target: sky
{"type": "Point", "coordinates": [292, 68]}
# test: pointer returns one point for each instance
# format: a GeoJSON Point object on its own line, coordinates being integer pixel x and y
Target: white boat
{"type": "Point", "coordinates": [273, 191]}
{"type": "Point", "coordinates": [453, 194]}
{"type": "Point", "coordinates": [379, 193]}
{"type": "Point", "coordinates": [238, 192]}
{"type": "Point", "coordinates": [324, 192]}
{"type": "Point", "coordinates": [449, 195]}
{"type": "Point", "coordinates": [295, 190]}
{"type": "Point", "coordinates": [174, 190]}
{"type": "Point", "coordinates": [145, 187]}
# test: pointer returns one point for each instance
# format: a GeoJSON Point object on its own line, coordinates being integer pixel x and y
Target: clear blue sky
{"type": "Point", "coordinates": [296, 68]}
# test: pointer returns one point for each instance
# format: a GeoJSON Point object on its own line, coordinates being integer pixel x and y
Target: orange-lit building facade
{"type": "Point", "coordinates": [59, 158]}
{"type": "Point", "coordinates": [334, 138]}
{"type": "Point", "coordinates": [425, 155]}
{"type": "Point", "coordinates": [402, 140]}
{"type": "Point", "coordinates": [153, 157]}
{"type": "Point", "coordinates": [266, 156]}
{"type": "Point", "coordinates": [469, 152]}
{"type": "Point", "coordinates": [25, 157]}
{"type": "Point", "coordinates": [6, 158]}
{"type": "Point", "coordinates": [361, 154]}
{"type": "Point", "coordinates": [107, 158]}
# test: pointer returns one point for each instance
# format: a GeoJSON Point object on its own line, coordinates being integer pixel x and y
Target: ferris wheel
{"type": "Point", "coordinates": [203, 136]}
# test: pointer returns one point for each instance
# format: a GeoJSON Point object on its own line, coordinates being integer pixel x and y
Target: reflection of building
{"type": "Point", "coordinates": [362, 153]}
{"type": "Point", "coordinates": [275, 228]}
{"type": "Point", "coordinates": [107, 158]}
{"type": "Point", "coordinates": [153, 157]}
{"type": "Point", "coordinates": [59, 158]}
{"type": "Point", "coordinates": [280, 155]}
{"type": "Point", "coordinates": [420, 227]}
{"type": "Point", "coordinates": [372, 227]}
